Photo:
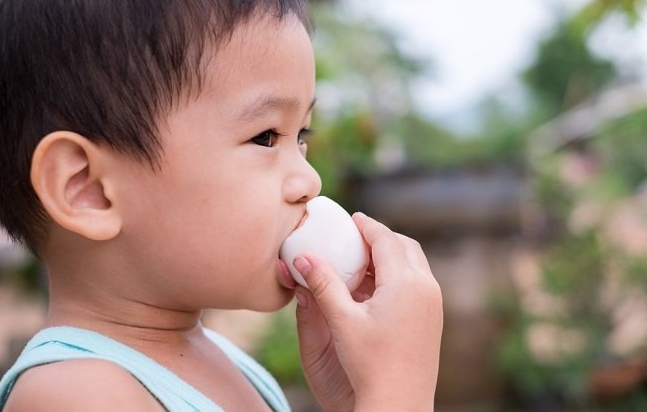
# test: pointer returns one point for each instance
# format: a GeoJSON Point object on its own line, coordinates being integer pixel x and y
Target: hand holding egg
{"type": "Point", "coordinates": [353, 352]}
{"type": "Point", "coordinates": [328, 231]}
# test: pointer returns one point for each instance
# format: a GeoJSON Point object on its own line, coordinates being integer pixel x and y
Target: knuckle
{"type": "Point", "coordinates": [318, 285]}
{"type": "Point", "coordinates": [414, 243]}
{"type": "Point", "coordinates": [425, 282]}
{"type": "Point", "coordinates": [431, 294]}
{"type": "Point", "coordinates": [409, 242]}
{"type": "Point", "coordinates": [435, 288]}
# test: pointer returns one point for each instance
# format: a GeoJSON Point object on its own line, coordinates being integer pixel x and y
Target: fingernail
{"type": "Point", "coordinates": [302, 299]}
{"type": "Point", "coordinates": [302, 265]}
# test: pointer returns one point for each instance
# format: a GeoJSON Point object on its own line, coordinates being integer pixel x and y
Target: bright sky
{"type": "Point", "coordinates": [477, 46]}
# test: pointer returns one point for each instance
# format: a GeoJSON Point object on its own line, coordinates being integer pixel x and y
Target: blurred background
{"type": "Point", "coordinates": [510, 138]}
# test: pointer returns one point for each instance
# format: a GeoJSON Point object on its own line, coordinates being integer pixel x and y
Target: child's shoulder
{"type": "Point", "coordinates": [83, 384]}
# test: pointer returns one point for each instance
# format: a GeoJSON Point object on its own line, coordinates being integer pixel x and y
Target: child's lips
{"type": "Point", "coordinates": [285, 278]}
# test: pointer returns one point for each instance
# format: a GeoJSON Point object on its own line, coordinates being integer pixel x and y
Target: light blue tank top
{"type": "Point", "coordinates": [66, 343]}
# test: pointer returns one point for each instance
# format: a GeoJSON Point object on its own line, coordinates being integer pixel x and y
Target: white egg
{"type": "Point", "coordinates": [329, 232]}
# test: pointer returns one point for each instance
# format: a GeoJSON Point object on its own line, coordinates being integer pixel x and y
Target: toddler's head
{"type": "Point", "coordinates": [108, 70]}
{"type": "Point", "coordinates": [154, 147]}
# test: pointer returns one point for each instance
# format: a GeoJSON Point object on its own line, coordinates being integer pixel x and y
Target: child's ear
{"type": "Point", "coordinates": [70, 175]}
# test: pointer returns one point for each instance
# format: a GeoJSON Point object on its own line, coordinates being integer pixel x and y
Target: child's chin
{"type": "Point", "coordinates": [273, 302]}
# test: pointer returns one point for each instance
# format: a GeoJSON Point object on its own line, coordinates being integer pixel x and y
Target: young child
{"type": "Point", "coordinates": [152, 157]}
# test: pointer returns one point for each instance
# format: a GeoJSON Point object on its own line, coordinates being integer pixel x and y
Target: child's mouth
{"type": "Point", "coordinates": [287, 279]}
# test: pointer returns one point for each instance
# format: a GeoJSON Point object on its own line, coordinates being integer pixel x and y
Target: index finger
{"type": "Point", "coordinates": [387, 253]}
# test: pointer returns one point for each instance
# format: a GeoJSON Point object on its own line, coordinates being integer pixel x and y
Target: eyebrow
{"type": "Point", "coordinates": [266, 104]}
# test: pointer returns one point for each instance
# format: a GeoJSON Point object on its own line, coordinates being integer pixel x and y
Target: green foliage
{"type": "Point", "coordinates": [637, 271]}
{"type": "Point", "coordinates": [576, 264]}
{"type": "Point", "coordinates": [340, 146]}
{"type": "Point", "coordinates": [27, 276]}
{"type": "Point", "coordinates": [558, 383]}
{"type": "Point", "coordinates": [634, 402]}
{"type": "Point", "coordinates": [575, 267]}
{"type": "Point", "coordinates": [622, 147]}
{"type": "Point", "coordinates": [362, 69]}
{"type": "Point", "coordinates": [428, 144]}
{"type": "Point", "coordinates": [598, 10]}
{"type": "Point", "coordinates": [502, 135]}
{"type": "Point", "coordinates": [574, 270]}
{"type": "Point", "coordinates": [361, 50]}
{"type": "Point", "coordinates": [565, 72]}
{"type": "Point", "coordinates": [556, 200]}
{"type": "Point", "coordinates": [365, 86]}
{"type": "Point", "coordinates": [500, 140]}
{"type": "Point", "coordinates": [355, 59]}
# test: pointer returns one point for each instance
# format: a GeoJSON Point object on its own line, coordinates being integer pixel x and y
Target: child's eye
{"type": "Point", "coordinates": [268, 138]}
{"type": "Point", "coordinates": [304, 133]}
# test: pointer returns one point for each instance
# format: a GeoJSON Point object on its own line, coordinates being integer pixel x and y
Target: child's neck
{"type": "Point", "coordinates": [133, 324]}
{"type": "Point", "coordinates": [72, 303]}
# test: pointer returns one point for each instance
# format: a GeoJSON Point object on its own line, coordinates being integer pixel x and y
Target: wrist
{"type": "Point", "coordinates": [380, 404]}
{"type": "Point", "coordinates": [381, 407]}
{"type": "Point", "coordinates": [395, 395]}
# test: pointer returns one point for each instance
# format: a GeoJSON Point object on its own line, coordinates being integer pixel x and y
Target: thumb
{"type": "Point", "coordinates": [327, 288]}
{"type": "Point", "coordinates": [313, 330]}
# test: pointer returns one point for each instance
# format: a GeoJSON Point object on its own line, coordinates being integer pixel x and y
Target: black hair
{"type": "Point", "coordinates": [106, 69]}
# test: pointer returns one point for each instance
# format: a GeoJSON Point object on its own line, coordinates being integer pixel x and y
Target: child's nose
{"type": "Point", "coordinates": [303, 182]}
